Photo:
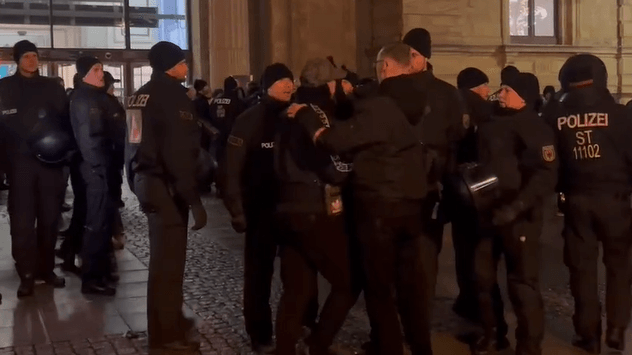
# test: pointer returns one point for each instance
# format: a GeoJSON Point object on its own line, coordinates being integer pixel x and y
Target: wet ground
{"type": "Point", "coordinates": [64, 322]}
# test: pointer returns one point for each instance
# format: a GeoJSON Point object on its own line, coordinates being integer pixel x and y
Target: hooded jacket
{"type": "Point", "coordinates": [302, 168]}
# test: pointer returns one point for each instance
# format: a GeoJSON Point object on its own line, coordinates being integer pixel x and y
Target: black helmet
{"type": "Point", "coordinates": [50, 143]}
{"type": "Point", "coordinates": [583, 62]}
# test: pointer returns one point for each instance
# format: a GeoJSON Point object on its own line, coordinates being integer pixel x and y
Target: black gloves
{"type": "Point", "coordinates": [309, 120]}
{"type": "Point", "coordinates": [239, 223]}
{"type": "Point", "coordinates": [199, 216]}
{"type": "Point", "coordinates": [507, 213]}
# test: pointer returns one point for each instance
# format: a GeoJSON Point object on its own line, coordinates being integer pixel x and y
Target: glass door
{"type": "Point", "coordinates": [141, 75]}
{"type": "Point", "coordinates": [66, 71]}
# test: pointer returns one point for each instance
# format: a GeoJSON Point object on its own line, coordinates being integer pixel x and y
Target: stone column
{"type": "Point", "coordinates": [229, 40]}
{"type": "Point", "coordinates": [200, 40]}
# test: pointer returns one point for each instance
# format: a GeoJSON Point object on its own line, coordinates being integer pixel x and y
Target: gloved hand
{"type": "Point", "coordinates": [199, 216]}
{"type": "Point", "coordinates": [239, 223]}
{"type": "Point", "coordinates": [507, 214]}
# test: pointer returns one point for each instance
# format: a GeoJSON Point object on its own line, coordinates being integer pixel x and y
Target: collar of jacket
{"type": "Point", "coordinates": [319, 96]}
{"type": "Point", "coordinates": [586, 96]}
{"type": "Point", "coordinates": [273, 106]}
{"type": "Point", "coordinates": [410, 92]}
{"type": "Point", "coordinates": [86, 86]}
{"type": "Point", "coordinates": [167, 79]}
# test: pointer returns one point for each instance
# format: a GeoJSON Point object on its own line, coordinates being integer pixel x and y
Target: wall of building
{"type": "Point", "coordinates": [246, 35]}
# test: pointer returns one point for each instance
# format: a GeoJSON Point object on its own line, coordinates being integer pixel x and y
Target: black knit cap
{"type": "Point", "coordinates": [274, 73]}
{"type": "Point", "coordinates": [507, 73]}
{"type": "Point", "coordinates": [419, 40]}
{"type": "Point", "coordinates": [84, 64]}
{"type": "Point", "coordinates": [470, 78]}
{"type": "Point", "coordinates": [21, 48]}
{"type": "Point", "coordinates": [527, 86]}
{"type": "Point", "coordinates": [109, 79]}
{"type": "Point", "coordinates": [230, 84]}
{"type": "Point", "coordinates": [165, 55]}
{"type": "Point", "coordinates": [199, 84]}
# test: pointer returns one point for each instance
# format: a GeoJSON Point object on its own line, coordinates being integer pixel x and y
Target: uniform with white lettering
{"type": "Point", "coordinates": [224, 110]}
{"type": "Point", "coordinates": [595, 149]}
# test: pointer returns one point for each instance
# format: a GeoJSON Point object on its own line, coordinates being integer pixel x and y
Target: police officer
{"type": "Point", "coordinates": [93, 132]}
{"type": "Point", "coordinates": [31, 107]}
{"type": "Point", "coordinates": [388, 186]}
{"type": "Point", "coordinates": [595, 176]}
{"type": "Point", "coordinates": [519, 150]}
{"type": "Point", "coordinates": [162, 144]}
{"type": "Point", "coordinates": [474, 90]}
{"type": "Point", "coordinates": [441, 126]}
{"type": "Point", "coordinates": [310, 211]}
{"type": "Point", "coordinates": [249, 189]}
{"type": "Point", "coordinates": [224, 111]}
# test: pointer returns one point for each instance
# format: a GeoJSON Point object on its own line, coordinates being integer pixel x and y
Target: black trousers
{"type": "Point", "coordinates": [36, 193]}
{"type": "Point", "coordinates": [398, 258]}
{"type": "Point", "coordinates": [520, 243]}
{"type": "Point", "coordinates": [465, 237]}
{"type": "Point", "coordinates": [100, 209]}
{"type": "Point", "coordinates": [167, 217]}
{"type": "Point", "coordinates": [71, 245]}
{"type": "Point", "coordinates": [588, 219]}
{"type": "Point", "coordinates": [313, 244]}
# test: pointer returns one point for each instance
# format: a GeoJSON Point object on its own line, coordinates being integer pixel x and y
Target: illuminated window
{"type": "Point", "coordinates": [533, 21]}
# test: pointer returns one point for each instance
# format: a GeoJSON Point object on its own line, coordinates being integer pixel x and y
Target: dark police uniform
{"type": "Point", "coordinates": [249, 190]}
{"type": "Point", "coordinates": [93, 132]}
{"type": "Point", "coordinates": [224, 110]}
{"type": "Point", "coordinates": [519, 150]}
{"type": "Point", "coordinates": [388, 163]}
{"type": "Point", "coordinates": [161, 153]}
{"type": "Point", "coordinates": [312, 230]}
{"type": "Point", "coordinates": [36, 189]}
{"type": "Point", "coordinates": [596, 178]}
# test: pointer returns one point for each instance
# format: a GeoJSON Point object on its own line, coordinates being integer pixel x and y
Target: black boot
{"type": "Point", "coordinates": [489, 344]}
{"type": "Point", "coordinates": [27, 286]}
{"type": "Point", "coordinates": [52, 279]}
{"type": "Point", "coordinates": [97, 288]}
{"type": "Point", "coordinates": [615, 338]}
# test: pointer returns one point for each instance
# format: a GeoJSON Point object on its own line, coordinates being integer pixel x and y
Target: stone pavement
{"type": "Point", "coordinates": [63, 321]}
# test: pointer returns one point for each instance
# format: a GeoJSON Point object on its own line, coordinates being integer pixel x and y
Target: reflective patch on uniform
{"type": "Point", "coordinates": [134, 126]}
{"type": "Point", "coordinates": [222, 101]}
{"type": "Point", "coordinates": [236, 141]}
{"type": "Point", "coordinates": [12, 111]}
{"type": "Point", "coordinates": [220, 112]}
{"type": "Point", "coordinates": [466, 120]}
{"type": "Point", "coordinates": [548, 153]}
{"type": "Point", "coordinates": [42, 113]}
{"type": "Point", "coordinates": [186, 115]}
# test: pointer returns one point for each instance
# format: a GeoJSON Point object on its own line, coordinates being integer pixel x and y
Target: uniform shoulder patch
{"type": "Point", "coordinates": [134, 126]}
{"type": "Point", "coordinates": [236, 141]}
{"type": "Point", "coordinates": [548, 153]}
{"type": "Point", "coordinates": [186, 115]}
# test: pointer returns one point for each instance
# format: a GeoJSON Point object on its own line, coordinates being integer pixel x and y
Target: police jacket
{"type": "Point", "coordinates": [519, 149]}
{"type": "Point", "coordinates": [387, 157]}
{"type": "Point", "coordinates": [28, 105]}
{"type": "Point", "coordinates": [434, 108]}
{"type": "Point", "coordinates": [162, 139]}
{"type": "Point", "coordinates": [594, 145]}
{"type": "Point", "coordinates": [248, 179]}
{"type": "Point", "coordinates": [303, 169]}
{"type": "Point", "coordinates": [202, 107]}
{"type": "Point", "coordinates": [478, 111]}
{"type": "Point", "coordinates": [224, 110]}
{"type": "Point", "coordinates": [93, 125]}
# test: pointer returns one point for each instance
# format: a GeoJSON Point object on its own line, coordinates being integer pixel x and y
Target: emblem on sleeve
{"type": "Point", "coordinates": [134, 126]}
{"type": "Point", "coordinates": [548, 153]}
{"type": "Point", "coordinates": [185, 115]}
{"type": "Point", "coordinates": [236, 141]}
{"type": "Point", "coordinates": [466, 120]}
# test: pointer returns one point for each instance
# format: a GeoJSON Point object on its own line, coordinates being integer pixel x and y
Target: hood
{"type": "Point", "coordinates": [410, 92]}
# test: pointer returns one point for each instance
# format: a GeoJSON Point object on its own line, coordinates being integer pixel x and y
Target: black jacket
{"type": "Point", "coordinates": [388, 159]}
{"type": "Point", "coordinates": [116, 117]}
{"type": "Point", "coordinates": [519, 149]}
{"type": "Point", "coordinates": [594, 144]}
{"type": "Point", "coordinates": [224, 110]}
{"type": "Point", "coordinates": [478, 111]}
{"type": "Point", "coordinates": [435, 109]}
{"type": "Point", "coordinates": [302, 168]}
{"type": "Point", "coordinates": [25, 103]}
{"type": "Point", "coordinates": [248, 180]}
{"type": "Point", "coordinates": [93, 125]}
{"type": "Point", "coordinates": [162, 139]}
{"type": "Point", "coordinates": [202, 107]}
